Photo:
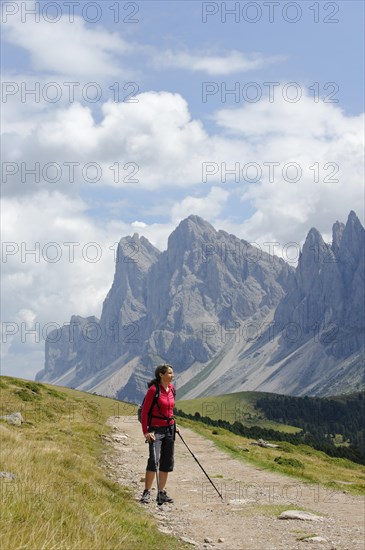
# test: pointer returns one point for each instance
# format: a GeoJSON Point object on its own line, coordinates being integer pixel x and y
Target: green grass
{"type": "Point", "coordinates": [299, 461]}
{"type": "Point", "coordinates": [291, 462]}
{"type": "Point", "coordinates": [233, 407]}
{"type": "Point", "coordinates": [62, 497]}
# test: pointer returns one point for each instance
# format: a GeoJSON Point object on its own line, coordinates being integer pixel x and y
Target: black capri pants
{"type": "Point", "coordinates": [163, 447]}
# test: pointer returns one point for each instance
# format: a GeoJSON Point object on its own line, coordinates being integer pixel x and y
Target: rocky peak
{"type": "Point", "coordinates": [136, 251]}
{"type": "Point", "coordinates": [191, 229]}
{"type": "Point", "coordinates": [196, 223]}
{"type": "Point", "coordinates": [186, 243]}
{"type": "Point", "coordinates": [353, 219]}
{"type": "Point", "coordinates": [329, 290]}
{"type": "Point", "coordinates": [314, 241]}
{"type": "Point", "coordinates": [351, 260]}
{"type": "Point", "coordinates": [337, 232]}
{"type": "Point", "coordinates": [314, 254]}
{"type": "Point", "coordinates": [353, 237]}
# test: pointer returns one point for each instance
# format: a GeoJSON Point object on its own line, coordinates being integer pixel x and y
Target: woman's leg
{"type": "Point", "coordinates": [154, 453]}
{"type": "Point", "coordinates": [163, 479]}
{"type": "Point", "coordinates": [150, 476]}
{"type": "Point", "coordinates": [166, 460]}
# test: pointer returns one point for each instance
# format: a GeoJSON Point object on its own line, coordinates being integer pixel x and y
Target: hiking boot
{"type": "Point", "coordinates": [163, 497]}
{"type": "Point", "coordinates": [146, 497]}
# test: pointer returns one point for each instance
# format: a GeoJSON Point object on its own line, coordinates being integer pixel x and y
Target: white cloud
{"type": "Point", "coordinates": [152, 143]}
{"type": "Point", "coordinates": [156, 144]}
{"type": "Point", "coordinates": [207, 207]}
{"type": "Point", "coordinates": [36, 248]}
{"type": "Point", "coordinates": [67, 47]}
{"type": "Point", "coordinates": [213, 64]}
{"type": "Point", "coordinates": [326, 147]}
{"type": "Point", "coordinates": [72, 129]}
{"type": "Point", "coordinates": [302, 119]}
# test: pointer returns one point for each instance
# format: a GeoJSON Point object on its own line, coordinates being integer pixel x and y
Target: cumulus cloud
{"type": "Point", "coordinates": [290, 161]}
{"type": "Point", "coordinates": [316, 178]}
{"type": "Point", "coordinates": [291, 114]}
{"type": "Point", "coordinates": [152, 143]}
{"type": "Point", "coordinates": [66, 48]}
{"type": "Point", "coordinates": [207, 207]}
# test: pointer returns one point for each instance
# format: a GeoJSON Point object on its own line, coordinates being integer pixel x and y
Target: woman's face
{"type": "Point", "coordinates": [168, 377]}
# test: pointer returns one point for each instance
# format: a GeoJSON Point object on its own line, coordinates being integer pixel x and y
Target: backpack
{"type": "Point", "coordinates": [154, 402]}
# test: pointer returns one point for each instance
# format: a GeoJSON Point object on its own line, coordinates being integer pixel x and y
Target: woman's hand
{"type": "Point", "coordinates": [177, 429]}
{"type": "Point", "coordinates": [149, 436]}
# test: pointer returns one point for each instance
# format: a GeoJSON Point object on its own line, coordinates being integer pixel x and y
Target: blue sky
{"type": "Point", "coordinates": [293, 131]}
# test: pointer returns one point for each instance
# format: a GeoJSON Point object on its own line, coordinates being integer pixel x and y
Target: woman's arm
{"type": "Point", "coordinates": [147, 404]}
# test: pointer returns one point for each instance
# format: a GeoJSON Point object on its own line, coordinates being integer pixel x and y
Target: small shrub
{"type": "Point", "coordinates": [26, 395]}
{"type": "Point", "coordinates": [306, 450]}
{"type": "Point", "coordinates": [34, 387]}
{"type": "Point", "coordinates": [16, 382]}
{"type": "Point", "coordinates": [57, 394]}
{"type": "Point", "coordinates": [286, 447]}
{"type": "Point", "coordinates": [293, 462]}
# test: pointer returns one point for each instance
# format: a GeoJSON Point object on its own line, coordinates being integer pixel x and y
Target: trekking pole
{"type": "Point", "coordinates": [157, 478]}
{"type": "Point", "coordinates": [192, 454]}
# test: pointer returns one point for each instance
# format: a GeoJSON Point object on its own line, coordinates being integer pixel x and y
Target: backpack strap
{"type": "Point", "coordinates": [155, 402]}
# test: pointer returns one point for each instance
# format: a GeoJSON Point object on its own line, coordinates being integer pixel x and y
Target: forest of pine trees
{"type": "Point", "coordinates": [323, 418]}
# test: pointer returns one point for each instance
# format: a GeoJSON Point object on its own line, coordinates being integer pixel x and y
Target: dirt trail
{"type": "Point", "coordinates": [246, 519]}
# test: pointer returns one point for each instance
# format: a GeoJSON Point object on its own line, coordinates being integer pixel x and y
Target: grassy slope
{"type": "Point", "coordinates": [233, 407]}
{"type": "Point", "coordinates": [318, 467]}
{"type": "Point", "coordinates": [309, 465]}
{"type": "Point", "coordinates": [61, 497]}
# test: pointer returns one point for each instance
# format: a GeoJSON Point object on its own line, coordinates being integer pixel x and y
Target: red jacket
{"type": "Point", "coordinates": [165, 408]}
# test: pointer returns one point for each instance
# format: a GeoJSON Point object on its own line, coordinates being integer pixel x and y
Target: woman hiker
{"type": "Point", "coordinates": [158, 426]}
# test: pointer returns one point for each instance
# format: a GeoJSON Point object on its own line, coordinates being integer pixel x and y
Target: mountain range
{"type": "Point", "coordinates": [228, 316]}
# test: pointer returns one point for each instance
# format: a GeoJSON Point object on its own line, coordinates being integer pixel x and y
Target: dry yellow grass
{"type": "Point", "coordinates": [61, 497]}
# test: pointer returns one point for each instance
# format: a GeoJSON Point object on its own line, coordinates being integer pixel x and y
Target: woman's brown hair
{"type": "Point", "coordinates": [161, 369]}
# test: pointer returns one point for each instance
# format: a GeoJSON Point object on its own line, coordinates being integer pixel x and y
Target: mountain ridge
{"type": "Point", "coordinates": [212, 303]}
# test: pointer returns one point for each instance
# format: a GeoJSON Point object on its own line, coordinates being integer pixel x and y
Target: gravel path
{"type": "Point", "coordinates": [247, 518]}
